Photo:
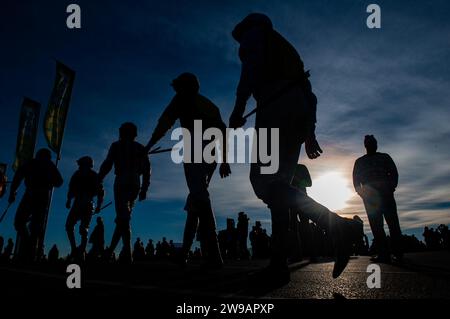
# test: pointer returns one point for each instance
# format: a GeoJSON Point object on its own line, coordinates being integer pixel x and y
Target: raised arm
{"type": "Point", "coordinates": [165, 122]}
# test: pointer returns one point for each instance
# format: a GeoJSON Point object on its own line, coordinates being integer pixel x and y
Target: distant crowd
{"type": "Point", "coordinates": [233, 243]}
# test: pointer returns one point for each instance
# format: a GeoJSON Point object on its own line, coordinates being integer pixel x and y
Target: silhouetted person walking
{"type": "Point", "coordinates": [375, 179]}
{"type": "Point", "coordinates": [40, 175]}
{"type": "Point", "coordinates": [187, 106]}
{"type": "Point", "coordinates": [130, 161]}
{"type": "Point", "coordinates": [97, 239]}
{"type": "Point", "coordinates": [83, 187]}
{"type": "Point", "coordinates": [273, 73]}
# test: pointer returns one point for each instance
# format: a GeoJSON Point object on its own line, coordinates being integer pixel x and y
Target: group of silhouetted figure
{"type": "Point", "coordinates": [273, 74]}
{"type": "Point", "coordinates": [233, 241]}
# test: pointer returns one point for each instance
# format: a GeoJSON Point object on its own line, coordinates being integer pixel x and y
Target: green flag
{"type": "Point", "coordinates": [26, 138]}
{"type": "Point", "coordinates": [58, 107]}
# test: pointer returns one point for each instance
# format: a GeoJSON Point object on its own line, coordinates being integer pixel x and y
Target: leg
{"type": "Point", "coordinates": [376, 225]}
{"type": "Point", "coordinates": [84, 228]}
{"type": "Point", "coordinates": [70, 226]}
{"type": "Point", "coordinates": [391, 216]}
{"type": "Point", "coordinates": [20, 224]}
{"type": "Point", "coordinates": [190, 229]}
{"type": "Point", "coordinates": [197, 178]}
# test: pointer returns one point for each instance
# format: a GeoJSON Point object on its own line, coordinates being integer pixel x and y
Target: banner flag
{"type": "Point", "coordinates": [26, 138]}
{"type": "Point", "coordinates": [58, 107]}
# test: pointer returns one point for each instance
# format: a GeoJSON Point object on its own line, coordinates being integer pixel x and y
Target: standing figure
{"type": "Point", "coordinates": [40, 175]}
{"type": "Point", "coordinates": [375, 179]}
{"type": "Point", "coordinates": [130, 161]}
{"type": "Point", "coordinates": [83, 187]}
{"type": "Point", "coordinates": [273, 73]}
{"type": "Point", "coordinates": [188, 106]}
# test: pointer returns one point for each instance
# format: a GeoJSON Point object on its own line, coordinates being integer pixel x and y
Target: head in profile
{"type": "Point", "coordinates": [186, 84]}
{"type": "Point", "coordinates": [371, 144]}
{"type": "Point", "coordinates": [44, 154]}
{"type": "Point", "coordinates": [85, 162]}
{"type": "Point", "coordinates": [253, 20]}
{"type": "Point", "coordinates": [128, 131]}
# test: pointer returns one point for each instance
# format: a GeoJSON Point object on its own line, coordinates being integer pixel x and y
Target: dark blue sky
{"type": "Point", "coordinates": [393, 82]}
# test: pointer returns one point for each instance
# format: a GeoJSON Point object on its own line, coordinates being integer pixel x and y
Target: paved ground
{"type": "Point", "coordinates": [425, 275]}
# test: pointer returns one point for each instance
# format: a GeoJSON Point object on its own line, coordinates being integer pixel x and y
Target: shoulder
{"type": "Point", "coordinates": [139, 148]}
{"type": "Point", "coordinates": [207, 103]}
{"type": "Point", "coordinates": [361, 159]}
{"type": "Point", "coordinates": [385, 156]}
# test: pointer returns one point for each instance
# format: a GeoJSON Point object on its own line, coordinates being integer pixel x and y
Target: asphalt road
{"type": "Point", "coordinates": [420, 276]}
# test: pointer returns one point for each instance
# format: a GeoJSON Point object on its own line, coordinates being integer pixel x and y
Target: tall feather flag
{"type": "Point", "coordinates": [26, 137]}
{"type": "Point", "coordinates": [58, 107]}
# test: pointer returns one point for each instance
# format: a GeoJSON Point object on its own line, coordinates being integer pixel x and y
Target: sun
{"type": "Point", "coordinates": [331, 190]}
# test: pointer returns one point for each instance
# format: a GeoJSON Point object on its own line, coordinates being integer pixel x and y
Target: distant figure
{"type": "Point", "coordinates": [40, 175]}
{"type": "Point", "coordinates": [150, 250]}
{"type": "Point", "coordinates": [375, 179]}
{"type": "Point", "coordinates": [8, 250]}
{"type": "Point", "coordinates": [84, 185]}
{"type": "Point", "coordinates": [130, 162]}
{"type": "Point", "coordinates": [97, 240]}
{"type": "Point", "coordinates": [187, 106]}
{"type": "Point", "coordinates": [228, 240]}
{"type": "Point", "coordinates": [165, 248]}
{"type": "Point", "coordinates": [53, 255]}
{"type": "Point", "coordinates": [138, 250]}
{"type": "Point", "coordinates": [273, 73]}
{"type": "Point", "coordinates": [242, 235]}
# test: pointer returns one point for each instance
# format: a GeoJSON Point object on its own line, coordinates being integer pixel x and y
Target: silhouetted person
{"type": "Point", "coordinates": [40, 175]}
{"type": "Point", "coordinates": [273, 73]}
{"type": "Point", "coordinates": [158, 252]}
{"type": "Point", "coordinates": [228, 240]}
{"type": "Point", "coordinates": [375, 179]}
{"type": "Point", "coordinates": [150, 250]}
{"type": "Point", "coordinates": [97, 239]}
{"type": "Point", "coordinates": [130, 161]}
{"type": "Point", "coordinates": [53, 255]}
{"type": "Point", "coordinates": [242, 235]}
{"type": "Point", "coordinates": [165, 248]}
{"type": "Point", "coordinates": [444, 236]}
{"type": "Point", "coordinates": [84, 186]}
{"type": "Point", "coordinates": [187, 106]}
{"type": "Point", "coordinates": [138, 250]}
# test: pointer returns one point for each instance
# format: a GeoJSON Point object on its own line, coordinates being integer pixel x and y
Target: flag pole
{"type": "Point", "coordinates": [58, 158]}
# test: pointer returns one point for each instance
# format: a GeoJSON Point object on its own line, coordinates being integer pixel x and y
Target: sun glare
{"type": "Point", "coordinates": [331, 190]}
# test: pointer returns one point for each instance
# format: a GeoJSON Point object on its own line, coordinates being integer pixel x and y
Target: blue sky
{"type": "Point", "coordinates": [393, 82]}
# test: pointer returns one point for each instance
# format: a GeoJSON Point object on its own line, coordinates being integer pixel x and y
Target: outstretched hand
{"type": "Point", "coordinates": [224, 170]}
{"type": "Point", "coordinates": [312, 148]}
